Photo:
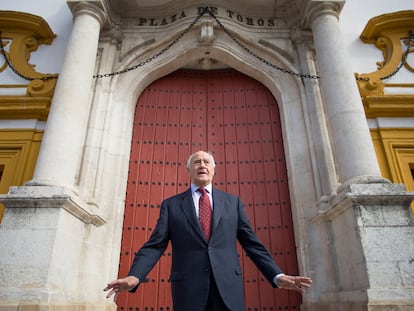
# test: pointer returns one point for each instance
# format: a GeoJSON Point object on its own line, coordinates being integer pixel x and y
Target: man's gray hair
{"type": "Point", "coordinates": [190, 159]}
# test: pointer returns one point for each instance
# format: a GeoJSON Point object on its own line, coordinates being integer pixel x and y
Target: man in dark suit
{"type": "Point", "coordinates": [203, 226]}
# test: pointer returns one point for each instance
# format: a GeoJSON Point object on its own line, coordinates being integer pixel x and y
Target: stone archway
{"type": "Point", "coordinates": [125, 89]}
{"type": "Point", "coordinates": [237, 119]}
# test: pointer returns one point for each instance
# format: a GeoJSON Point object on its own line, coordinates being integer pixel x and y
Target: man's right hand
{"type": "Point", "coordinates": [120, 285]}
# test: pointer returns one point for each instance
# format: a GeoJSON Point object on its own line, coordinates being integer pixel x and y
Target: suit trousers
{"type": "Point", "coordinates": [214, 301]}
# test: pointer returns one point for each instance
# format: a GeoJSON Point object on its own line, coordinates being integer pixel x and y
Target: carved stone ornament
{"type": "Point", "coordinates": [22, 34]}
{"type": "Point", "coordinates": [390, 33]}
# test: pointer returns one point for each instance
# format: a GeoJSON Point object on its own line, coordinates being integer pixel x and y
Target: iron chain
{"type": "Point", "coordinates": [402, 63]}
{"type": "Point", "coordinates": [15, 70]}
{"type": "Point", "coordinates": [162, 51]}
{"type": "Point", "coordinates": [284, 70]}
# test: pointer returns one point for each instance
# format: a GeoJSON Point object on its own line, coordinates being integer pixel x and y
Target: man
{"type": "Point", "coordinates": [205, 272]}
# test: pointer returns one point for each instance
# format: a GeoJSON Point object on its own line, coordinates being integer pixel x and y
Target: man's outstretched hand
{"type": "Point", "coordinates": [120, 285]}
{"type": "Point", "coordinates": [298, 283]}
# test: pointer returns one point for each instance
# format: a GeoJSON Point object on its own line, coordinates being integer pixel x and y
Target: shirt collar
{"type": "Point", "coordinates": [209, 188]}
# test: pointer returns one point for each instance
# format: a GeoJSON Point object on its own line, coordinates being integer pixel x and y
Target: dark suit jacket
{"type": "Point", "coordinates": [193, 259]}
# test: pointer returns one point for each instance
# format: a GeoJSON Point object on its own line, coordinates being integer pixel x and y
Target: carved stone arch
{"type": "Point", "coordinates": [287, 89]}
{"type": "Point", "coordinates": [222, 48]}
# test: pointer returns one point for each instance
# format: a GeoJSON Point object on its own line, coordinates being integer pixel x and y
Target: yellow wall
{"type": "Point", "coordinates": [21, 34]}
{"type": "Point", "coordinates": [18, 153]}
{"type": "Point", "coordinates": [395, 152]}
{"type": "Point", "coordinates": [392, 35]}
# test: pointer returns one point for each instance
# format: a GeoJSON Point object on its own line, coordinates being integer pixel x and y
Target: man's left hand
{"type": "Point", "coordinates": [298, 283]}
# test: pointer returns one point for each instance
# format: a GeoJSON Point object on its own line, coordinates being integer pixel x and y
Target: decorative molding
{"type": "Point", "coordinates": [18, 155]}
{"type": "Point", "coordinates": [207, 31]}
{"type": "Point", "coordinates": [158, 15]}
{"type": "Point", "coordinates": [389, 106]}
{"type": "Point", "coordinates": [394, 147]}
{"type": "Point", "coordinates": [365, 194]}
{"type": "Point", "coordinates": [395, 153]}
{"type": "Point", "coordinates": [93, 8]}
{"type": "Point", "coordinates": [395, 142]}
{"type": "Point", "coordinates": [315, 8]}
{"type": "Point", "coordinates": [52, 197]}
{"type": "Point", "coordinates": [389, 33]}
{"type": "Point", "coordinates": [22, 34]}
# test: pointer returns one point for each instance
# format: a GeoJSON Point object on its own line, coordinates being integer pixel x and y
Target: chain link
{"type": "Point", "coordinates": [179, 37]}
{"type": "Point", "coordinates": [15, 70]}
{"type": "Point", "coordinates": [263, 60]}
{"type": "Point", "coordinates": [402, 63]}
{"type": "Point", "coordinates": [404, 57]}
{"type": "Point", "coordinates": [162, 51]}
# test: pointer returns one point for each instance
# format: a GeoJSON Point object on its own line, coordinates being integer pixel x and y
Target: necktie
{"type": "Point", "coordinates": [204, 212]}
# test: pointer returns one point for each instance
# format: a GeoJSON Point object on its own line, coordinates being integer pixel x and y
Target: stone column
{"type": "Point", "coordinates": [350, 137]}
{"type": "Point", "coordinates": [61, 149]}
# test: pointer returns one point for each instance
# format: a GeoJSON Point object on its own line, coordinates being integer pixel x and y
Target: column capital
{"type": "Point", "coordinates": [315, 8]}
{"type": "Point", "coordinates": [93, 8]}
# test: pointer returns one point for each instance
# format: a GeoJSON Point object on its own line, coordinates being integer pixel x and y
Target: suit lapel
{"type": "Point", "coordinates": [188, 209]}
{"type": "Point", "coordinates": [218, 208]}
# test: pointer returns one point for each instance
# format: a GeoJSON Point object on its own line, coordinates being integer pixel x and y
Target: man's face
{"type": "Point", "coordinates": [201, 169]}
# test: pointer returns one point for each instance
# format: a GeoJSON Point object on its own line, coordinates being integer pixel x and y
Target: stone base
{"type": "Point", "coordinates": [354, 306]}
{"type": "Point", "coordinates": [57, 307]}
{"type": "Point", "coordinates": [51, 260]}
{"type": "Point", "coordinates": [409, 306]}
{"type": "Point", "coordinates": [367, 258]}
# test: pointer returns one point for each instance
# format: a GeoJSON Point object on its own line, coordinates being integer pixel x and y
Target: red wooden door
{"type": "Point", "coordinates": [237, 119]}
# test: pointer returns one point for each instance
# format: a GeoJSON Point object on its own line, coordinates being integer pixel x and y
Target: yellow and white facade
{"type": "Point", "coordinates": [348, 134]}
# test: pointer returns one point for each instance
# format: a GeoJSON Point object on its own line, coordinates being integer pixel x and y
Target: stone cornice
{"type": "Point", "coordinates": [92, 8]}
{"type": "Point", "coordinates": [315, 8]}
{"type": "Point", "coordinates": [389, 105]}
{"type": "Point", "coordinates": [52, 197]}
{"type": "Point", "coordinates": [365, 194]}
